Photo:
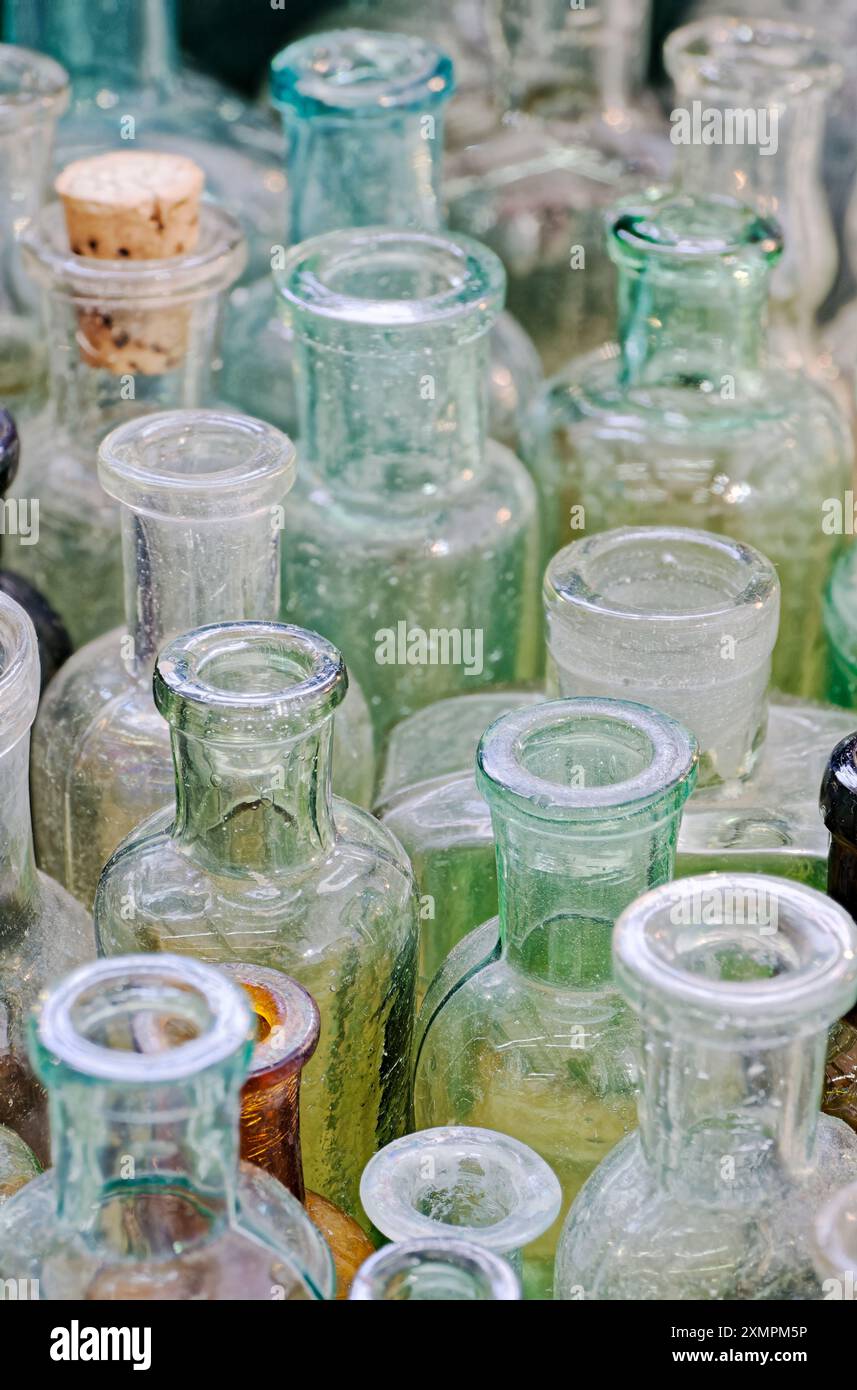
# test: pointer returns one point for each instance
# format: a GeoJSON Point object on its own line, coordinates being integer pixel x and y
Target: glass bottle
{"type": "Point", "coordinates": [684, 424]}
{"type": "Point", "coordinates": [585, 799]}
{"type": "Point", "coordinates": [838, 802]}
{"type": "Point", "coordinates": [483, 1186]}
{"type": "Point", "coordinates": [364, 120]}
{"type": "Point", "coordinates": [201, 498]}
{"type": "Point", "coordinates": [127, 85]}
{"type": "Point", "coordinates": [143, 1059]}
{"type": "Point", "coordinates": [412, 539]}
{"type": "Point", "coordinates": [287, 1032]}
{"type": "Point", "coordinates": [736, 979]}
{"type": "Point", "coordinates": [260, 864]}
{"type": "Point", "coordinates": [835, 1245]}
{"type": "Point", "coordinates": [577, 133]}
{"type": "Point", "coordinates": [435, 1270]}
{"type": "Point", "coordinates": [77, 563]}
{"type": "Point", "coordinates": [53, 640]}
{"type": "Point", "coordinates": [43, 932]}
{"type": "Point", "coordinates": [33, 94]}
{"type": "Point", "coordinates": [18, 1164]}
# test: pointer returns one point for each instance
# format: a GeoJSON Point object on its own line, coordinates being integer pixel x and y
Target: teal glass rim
{"type": "Point", "coordinates": [729, 59]}
{"type": "Point", "coordinates": [491, 1276]}
{"type": "Point", "coordinates": [672, 229]}
{"type": "Point", "coordinates": [357, 73]}
{"type": "Point", "coordinates": [33, 88]}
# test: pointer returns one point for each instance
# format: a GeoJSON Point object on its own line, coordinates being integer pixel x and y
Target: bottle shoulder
{"type": "Point", "coordinates": [94, 693]}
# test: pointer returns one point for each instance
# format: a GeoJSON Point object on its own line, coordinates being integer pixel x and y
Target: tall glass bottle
{"type": "Point", "coordinates": [43, 932]}
{"type": "Point", "coordinates": [838, 802]}
{"type": "Point", "coordinates": [533, 1040]}
{"type": "Point", "coordinates": [434, 1270]}
{"type": "Point", "coordinates": [686, 425]}
{"type": "Point", "coordinates": [364, 121]}
{"type": "Point", "coordinates": [835, 1245]}
{"type": "Point", "coordinates": [128, 86]}
{"type": "Point", "coordinates": [287, 1027]}
{"type": "Point", "coordinates": [77, 563]}
{"type": "Point", "coordinates": [201, 497]}
{"type": "Point", "coordinates": [412, 539]}
{"type": "Point", "coordinates": [576, 134]}
{"type": "Point", "coordinates": [260, 864]}
{"type": "Point", "coordinates": [143, 1059]}
{"type": "Point", "coordinates": [736, 979]}
{"type": "Point", "coordinates": [33, 94]}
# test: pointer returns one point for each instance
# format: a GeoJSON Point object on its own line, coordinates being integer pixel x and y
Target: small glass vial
{"type": "Point", "coordinates": [436, 1270]}
{"type": "Point", "coordinates": [143, 1059]}
{"type": "Point", "coordinates": [259, 863]}
{"type": "Point", "coordinates": [736, 979]}
{"type": "Point", "coordinates": [836, 1245]}
{"type": "Point", "coordinates": [478, 1184]}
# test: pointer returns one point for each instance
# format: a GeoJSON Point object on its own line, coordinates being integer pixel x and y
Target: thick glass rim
{"type": "Point", "coordinates": [488, 1269]}
{"type": "Point", "coordinates": [40, 91]}
{"type": "Point", "coordinates": [290, 1011]}
{"type": "Point", "coordinates": [835, 1255]}
{"type": "Point", "coordinates": [398, 72]}
{"type": "Point", "coordinates": [19, 672]}
{"type": "Point", "coordinates": [665, 226]}
{"type": "Point", "coordinates": [727, 56]}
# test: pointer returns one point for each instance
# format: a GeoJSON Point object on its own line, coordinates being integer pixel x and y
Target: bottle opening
{"type": "Point", "coordinates": [19, 673]}
{"type": "Point", "coordinates": [357, 71]}
{"type": "Point", "coordinates": [685, 229]}
{"type": "Point", "coordinates": [760, 60]}
{"type": "Point", "coordinates": [429, 1270]}
{"type": "Point", "coordinates": [286, 1017]}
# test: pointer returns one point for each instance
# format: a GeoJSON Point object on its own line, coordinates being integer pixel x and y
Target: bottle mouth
{"type": "Point", "coordinates": [213, 265]}
{"type": "Point", "coordinates": [579, 759]}
{"type": "Point", "coordinates": [669, 229]}
{"type": "Point", "coordinates": [228, 682]}
{"type": "Point", "coordinates": [200, 464]}
{"type": "Point", "coordinates": [142, 1020]}
{"type": "Point", "coordinates": [486, 1187]}
{"type": "Point", "coordinates": [836, 1236]}
{"type": "Point", "coordinates": [355, 72]}
{"type": "Point", "coordinates": [737, 956]}
{"type": "Point", "coordinates": [33, 89]}
{"type": "Point", "coordinates": [19, 673]}
{"type": "Point", "coordinates": [435, 1269]}
{"type": "Point", "coordinates": [378, 277]}
{"type": "Point", "coordinates": [763, 61]}
{"type": "Point", "coordinates": [286, 1018]}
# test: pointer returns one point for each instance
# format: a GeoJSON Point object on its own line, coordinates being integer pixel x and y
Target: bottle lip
{"type": "Point", "coordinates": [33, 88]}
{"type": "Point", "coordinates": [19, 673]}
{"type": "Point", "coordinates": [835, 1235]}
{"type": "Point", "coordinates": [150, 464]}
{"type": "Point", "coordinates": [197, 991]}
{"type": "Point", "coordinates": [465, 280]}
{"type": "Point", "coordinates": [764, 60]}
{"type": "Point", "coordinates": [663, 227]}
{"type": "Point", "coordinates": [358, 73]}
{"type": "Point", "coordinates": [394, 1177]}
{"type": "Point", "coordinates": [747, 578]}
{"type": "Point", "coordinates": [804, 940]}
{"type": "Point", "coordinates": [671, 753]}
{"type": "Point", "coordinates": [304, 681]}
{"type": "Point", "coordinates": [213, 265]}
{"type": "Point", "coordinates": [489, 1270]}
{"type": "Point", "coordinates": [289, 1012]}
{"type": "Point", "coordinates": [838, 796]}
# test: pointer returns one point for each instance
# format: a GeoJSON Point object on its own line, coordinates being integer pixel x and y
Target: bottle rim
{"type": "Point", "coordinates": [289, 1013]}
{"type": "Point", "coordinates": [360, 73]}
{"type": "Point", "coordinates": [19, 673]}
{"type": "Point", "coordinates": [667, 229]}
{"type": "Point", "coordinates": [34, 89]}
{"type": "Point", "coordinates": [488, 1270]}
{"type": "Point", "coordinates": [732, 57]}
{"type": "Point", "coordinates": [835, 1235]}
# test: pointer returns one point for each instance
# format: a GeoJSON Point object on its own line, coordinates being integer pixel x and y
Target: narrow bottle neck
{"type": "Point", "coordinates": [104, 46]}
{"type": "Point", "coordinates": [17, 860]}
{"type": "Point", "coordinates": [270, 1127]}
{"type": "Point", "coordinates": [564, 61]}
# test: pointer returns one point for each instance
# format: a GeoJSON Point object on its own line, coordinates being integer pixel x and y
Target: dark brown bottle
{"type": "Point", "coordinates": [839, 809]}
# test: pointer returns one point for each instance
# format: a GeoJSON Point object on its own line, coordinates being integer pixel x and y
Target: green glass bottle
{"type": "Point", "coordinates": [585, 799]}
{"type": "Point", "coordinates": [259, 863]}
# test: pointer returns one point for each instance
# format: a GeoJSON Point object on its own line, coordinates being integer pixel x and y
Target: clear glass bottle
{"type": "Point", "coordinates": [364, 121]}
{"type": "Point", "coordinates": [577, 133]}
{"type": "Point", "coordinates": [201, 498]}
{"type": "Point", "coordinates": [412, 540]}
{"type": "Point", "coordinates": [840, 624]}
{"type": "Point", "coordinates": [18, 1164]}
{"type": "Point", "coordinates": [684, 424]}
{"type": "Point", "coordinates": [143, 1059]}
{"type": "Point", "coordinates": [483, 1186]}
{"type": "Point", "coordinates": [736, 979]}
{"type": "Point", "coordinates": [33, 94]}
{"type": "Point", "coordinates": [43, 932]}
{"type": "Point", "coordinates": [835, 1245]}
{"type": "Point", "coordinates": [260, 864]}
{"type": "Point", "coordinates": [585, 799]}
{"type": "Point", "coordinates": [128, 86]}
{"type": "Point", "coordinates": [77, 563]}
{"type": "Point", "coordinates": [436, 1270]}
{"type": "Point", "coordinates": [838, 801]}
{"type": "Point", "coordinates": [287, 1033]}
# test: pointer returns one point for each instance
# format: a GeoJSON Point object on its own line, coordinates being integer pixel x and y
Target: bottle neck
{"type": "Point", "coordinates": [17, 861]}
{"type": "Point", "coordinates": [270, 1127]}
{"type": "Point", "coordinates": [574, 60]}
{"type": "Point", "coordinates": [106, 48]}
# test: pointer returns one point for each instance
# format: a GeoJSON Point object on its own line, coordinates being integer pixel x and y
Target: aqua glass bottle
{"type": "Point", "coordinates": [411, 540]}
{"type": "Point", "coordinates": [464, 1181]}
{"type": "Point", "coordinates": [364, 121]}
{"type": "Point", "coordinates": [835, 1245]}
{"type": "Point", "coordinates": [684, 424]}
{"type": "Point", "coordinates": [258, 863]}
{"type": "Point", "coordinates": [33, 94]}
{"type": "Point", "coordinates": [440, 1269]}
{"type": "Point", "coordinates": [577, 133]}
{"type": "Point", "coordinates": [43, 932]}
{"type": "Point", "coordinates": [143, 1059]}
{"type": "Point", "coordinates": [533, 1040]}
{"type": "Point", "coordinates": [201, 495]}
{"type": "Point", "coordinates": [77, 563]}
{"type": "Point", "coordinates": [130, 91]}
{"type": "Point", "coordinates": [736, 979]}
{"type": "Point", "coordinates": [18, 1164]}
